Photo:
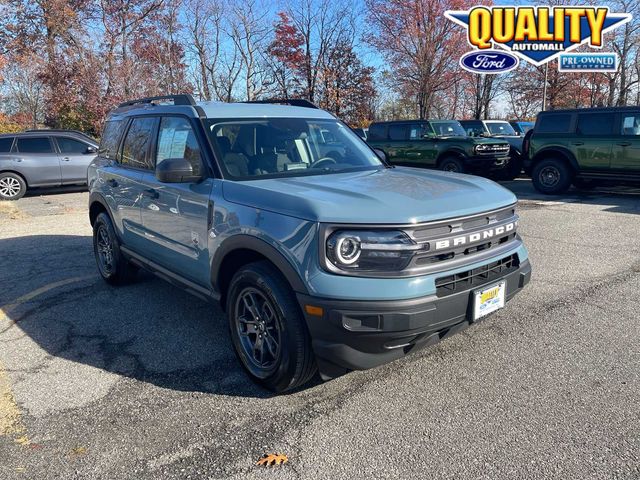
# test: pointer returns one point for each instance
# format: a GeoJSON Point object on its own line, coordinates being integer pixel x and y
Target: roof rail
{"type": "Point", "coordinates": [294, 102]}
{"type": "Point", "coordinates": [181, 99]}
{"type": "Point", "coordinates": [58, 130]}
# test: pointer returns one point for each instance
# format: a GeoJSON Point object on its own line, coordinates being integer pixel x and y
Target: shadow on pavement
{"type": "Point", "coordinates": [150, 331]}
{"type": "Point", "coordinates": [616, 199]}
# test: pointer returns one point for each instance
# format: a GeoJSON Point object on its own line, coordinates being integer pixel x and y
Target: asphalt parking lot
{"type": "Point", "coordinates": [141, 382]}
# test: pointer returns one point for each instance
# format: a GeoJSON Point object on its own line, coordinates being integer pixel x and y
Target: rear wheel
{"type": "Point", "coordinates": [552, 176]}
{"type": "Point", "coordinates": [452, 164]}
{"type": "Point", "coordinates": [12, 186]}
{"type": "Point", "coordinates": [114, 268]}
{"type": "Point", "coordinates": [268, 330]}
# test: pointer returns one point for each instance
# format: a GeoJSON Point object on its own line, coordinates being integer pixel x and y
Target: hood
{"type": "Point", "coordinates": [387, 196]}
{"type": "Point", "coordinates": [489, 140]}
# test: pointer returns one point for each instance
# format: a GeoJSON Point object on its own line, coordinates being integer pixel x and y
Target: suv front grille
{"type": "Point", "coordinates": [477, 277]}
{"type": "Point", "coordinates": [495, 149]}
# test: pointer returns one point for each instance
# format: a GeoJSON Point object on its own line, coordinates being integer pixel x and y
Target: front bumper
{"type": "Point", "coordinates": [357, 335]}
{"type": "Point", "coordinates": [484, 162]}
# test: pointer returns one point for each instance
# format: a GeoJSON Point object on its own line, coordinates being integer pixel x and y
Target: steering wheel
{"type": "Point", "coordinates": [322, 160]}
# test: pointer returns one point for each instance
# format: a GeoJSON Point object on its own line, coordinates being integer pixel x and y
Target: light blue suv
{"type": "Point", "coordinates": [323, 256]}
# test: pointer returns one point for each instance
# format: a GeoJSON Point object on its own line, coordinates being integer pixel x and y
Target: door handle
{"type": "Point", "coordinates": [65, 159]}
{"type": "Point", "coordinates": [624, 144]}
{"type": "Point", "coordinates": [577, 144]}
{"type": "Point", "coordinates": [112, 182]}
{"type": "Point", "coordinates": [151, 193]}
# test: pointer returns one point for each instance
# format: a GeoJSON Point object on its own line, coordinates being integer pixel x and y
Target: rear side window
{"type": "Point", "coordinates": [398, 132]}
{"type": "Point", "coordinates": [34, 145]}
{"type": "Point", "coordinates": [110, 139]}
{"type": "Point", "coordinates": [631, 124]}
{"type": "Point", "coordinates": [558, 123]}
{"type": "Point", "coordinates": [5, 144]}
{"type": "Point", "coordinates": [177, 140]}
{"type": "Point", "coordinates": [71, 146]}
{"type": "Point", "coordinates": [376, 132]}
{"type": "Point", "coordinates": [595, 124]}
{"type": "Point", "coordinates": [135, 149]}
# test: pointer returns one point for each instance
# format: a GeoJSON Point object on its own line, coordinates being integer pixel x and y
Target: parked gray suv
{"type": "Point", "coordinates": [43, 158]}
{"type": "Point", "coordinates": [323, 255]}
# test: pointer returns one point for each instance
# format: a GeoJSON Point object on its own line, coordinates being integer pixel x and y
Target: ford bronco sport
{"type": "Point", "coordinates": [323, 256]}
{"type": "Point", "coordinates": [584, 147]}
{"type": "Point", "coordinates": [441, 144]}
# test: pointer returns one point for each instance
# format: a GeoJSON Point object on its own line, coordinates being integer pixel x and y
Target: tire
{"type": "Point", "coordinates": [114, 268]}
{"type": "Point", "coordinates": [452, 164]}
{"type": "Point", "coordinates": [552, 176]}
{"type": "Point", "coordinates": [12, 186]}
{"type": "Point", "coordinates": [286, 360]}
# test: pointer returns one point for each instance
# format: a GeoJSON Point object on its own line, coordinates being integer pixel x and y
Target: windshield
{"type": "Point", "coordinates": [448, 128]}
{"type": "Point", "coordinates": [288, 147]}
{"type": "Point", "coordinates": [500, 128]}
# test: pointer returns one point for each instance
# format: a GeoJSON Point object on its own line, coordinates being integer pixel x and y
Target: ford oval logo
{"type": "Point", "coordinates": [488, 61]}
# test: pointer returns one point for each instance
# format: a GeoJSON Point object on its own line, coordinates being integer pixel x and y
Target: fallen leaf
{"type": "Point", "coordinates": [23, 440]}
{"type": "Point", "coordinates": [76, 452]}
{"type": "Point", "coordinates": [271, 459]}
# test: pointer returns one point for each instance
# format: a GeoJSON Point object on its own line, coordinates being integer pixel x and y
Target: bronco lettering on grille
{"type": "Point", "coordinates": [471, 238]}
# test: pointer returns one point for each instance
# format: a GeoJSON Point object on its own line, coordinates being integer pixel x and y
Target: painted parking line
{"type": "Point", "coordinates": [6, 310]}
{"type": "Point", "coordinates": [10, 416]}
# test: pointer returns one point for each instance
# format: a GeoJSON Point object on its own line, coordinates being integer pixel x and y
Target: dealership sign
{"type": "Point", "coordinates": [536, 34]}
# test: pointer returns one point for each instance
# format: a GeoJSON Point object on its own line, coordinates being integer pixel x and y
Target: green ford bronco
{"type": "Point", "coordinates": [441, 144]}
{"type": "Point", "coordinates": [584, 147]}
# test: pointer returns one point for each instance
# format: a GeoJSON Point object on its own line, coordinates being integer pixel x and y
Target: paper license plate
{"type": "Point", "coordinates": [488, 300]}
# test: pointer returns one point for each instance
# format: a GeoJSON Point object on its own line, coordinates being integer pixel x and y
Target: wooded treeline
{"type": "Point", "coordinates": [66, 63]}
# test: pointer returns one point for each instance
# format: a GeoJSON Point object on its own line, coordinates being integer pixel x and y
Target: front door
{"type": "Point", "coordinates": [626, 146]}
{"type": "Point", "coordinates": [75, 157]}
{"type": "Point", "coordinates": [176, 216]}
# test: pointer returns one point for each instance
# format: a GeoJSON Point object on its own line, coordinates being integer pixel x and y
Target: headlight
{"type": "Point", "coordinates": [370, 250]}
{"type": "Point", "coordinates": [482, 148]}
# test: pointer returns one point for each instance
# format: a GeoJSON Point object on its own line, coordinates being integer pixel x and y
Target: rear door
{"type": "Point", "coordinates": [626, 145]}
{"type": "Point", "coordinates": [123, 178]}
{"type": "Point", "coordinates": [176, 216]}
{"type": "Point", "coordinates": [37, 159]}
{"type": "Point", "coordinates": [398, 143]}
{"type": "Point", "coordinates": [420, 150]}
{"type": "Point", "coordinates": [75, 157]}
{"type": "Point", "coordinates": [592, 144]}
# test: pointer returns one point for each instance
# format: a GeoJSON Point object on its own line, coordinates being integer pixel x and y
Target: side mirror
{"type": "Point", "coordinates": [381, 155]}
{"type": "Point", "coordinates": [91, 149]}
{"type": "Point", "coordinates": [176, 170]}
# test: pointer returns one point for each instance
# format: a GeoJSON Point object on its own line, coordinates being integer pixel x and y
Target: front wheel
{"type": "Point", "coordinates": [268, 330]}
{"type": "Point", "coordinates": [452, 164]}
{"type": "Point", "coordinates": [552, 176]}
{"type": "Point", "coordinates": [12, 186]}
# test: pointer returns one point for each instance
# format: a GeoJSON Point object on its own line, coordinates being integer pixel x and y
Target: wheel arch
{"type": "Point", "coordinates": [240, 250]}
{"type": "Point", "coordinates": [97, 205]}
{"type": "Point", "coordinates": [555, 152]}
{"type": "Point", "coordinates": [451, 152]}
{"type": "Point", "coordinates": [15, 172]}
